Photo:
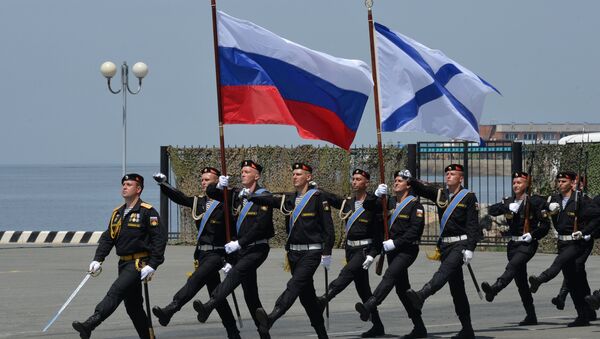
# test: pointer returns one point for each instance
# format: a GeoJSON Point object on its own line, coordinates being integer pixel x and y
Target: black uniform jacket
{"type": "Point", "coordinates": [368, 225]}
{"type": "Point", "coordinates": [140, 230]}
{"type": "Point", "coordinates": [564, 218]}
{"type": "Point", "coordinates": [214, 230]}
{"type": "Point", "coordinates": [313, 226]}
{"type": "Point", "coordinates": [539, 220]}
{"type": "Point", "coordinates": [258, 222]}
{"type": "Point", "coordinates": [464, 219]}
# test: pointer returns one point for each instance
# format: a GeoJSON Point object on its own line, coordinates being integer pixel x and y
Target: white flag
{"type": "Point", "coordinates": [422, 90]}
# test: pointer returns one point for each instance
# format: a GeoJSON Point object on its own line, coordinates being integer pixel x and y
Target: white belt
{"type": "Point", "coordinates": [516, 238]}
{"type": "Point", "coordinates": [209, 247]}
{"type": "Point", "coordinates": [454, 239]}
{"type": "Point", "coordinates": [565, 237]}
{"type": "Point", "coordinates": [305, 247]}
{"type": "Point", "coordinates": [361, 242]}
{"type": "Point", "coordinates": [258, 242]}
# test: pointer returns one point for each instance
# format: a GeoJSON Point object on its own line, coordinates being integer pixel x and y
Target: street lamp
{"type": "Point", "coordinates": [140, 70]}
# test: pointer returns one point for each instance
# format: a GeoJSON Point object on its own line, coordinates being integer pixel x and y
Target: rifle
{"type": "Point", "coordinates": [528, 192]}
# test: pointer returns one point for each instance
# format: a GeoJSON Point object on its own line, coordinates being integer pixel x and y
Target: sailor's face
{"type": "Point", "coordinates": [519, 185]}
{"type": "Point", "coordinates": [454, 178]}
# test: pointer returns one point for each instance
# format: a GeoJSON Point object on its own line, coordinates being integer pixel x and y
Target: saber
{"type": "Point", "coordinates": [327, 298]}
{"type": "Point", "coordinates": [147, 297]}
{"type": "Point", "coordinates": [62, 308]}
{"type": "Point", "coordinates": [475, 281]}
{"type": "Point", "coordinates": [237, 309]}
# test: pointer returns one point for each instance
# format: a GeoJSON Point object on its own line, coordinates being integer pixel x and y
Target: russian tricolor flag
{"type": "Point", "coordinates": [266, 79]}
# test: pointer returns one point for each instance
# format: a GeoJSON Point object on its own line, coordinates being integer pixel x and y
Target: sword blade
{"type": "Point", "coordinates": [62, 308]}
{"type": "Point", "coordinates": [327, 297]}
{"type": "Point", "coordinates": [475, 281]}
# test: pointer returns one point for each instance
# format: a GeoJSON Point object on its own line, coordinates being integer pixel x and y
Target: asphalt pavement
{"type": "Point", "coordinates": [35, 282]}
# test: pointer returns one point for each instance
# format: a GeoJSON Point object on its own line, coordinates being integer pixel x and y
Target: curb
{"type": "Point", "coordinates": [49, 237]}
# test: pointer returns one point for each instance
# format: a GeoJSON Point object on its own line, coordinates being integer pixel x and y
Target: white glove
{"type": "Point", "coordinates": [513, 207]}
{"type": "Point", "coordinates": [527, 237]}
{"type": "Point", "coordinates": [553, 207]}
{"type": "Point", "coordinates": [467, 256]}
{"type": "Point", "coordinates": [226, 268]}
{"type": "Point", "coordinates": [94, 266]}
{"type": "Point", "coordinates": [368, 262]}
{"type": "Point", "coordinates": [388, 245]}
{"type": "Point", "coordinates": [159, 177]}
{"type": "Point", "coordinates": [577, 235]}
{"type": "Point", "coordinates": [381, 190]}
{"type": "Point", "coordinates": [313, 184]}
{"type": "Point", "coordinates": [326, 261]}
{"type": "Point", "coordinates": [232, 246]}
{"type": "Point", "coordinates": [587, 237]}
{"type": "Point", "coordinates": [244, 193]}
{"type": "Point", "coordinates": [223, 182]}
{"type": "Point", "coordinates": [146, 272]}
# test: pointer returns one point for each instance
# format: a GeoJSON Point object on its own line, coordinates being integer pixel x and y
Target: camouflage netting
{"type": "Point", "coordinates": [333, 166]}
{"type": "Point", "coordinates": [332, 169]}
{"type": "Point", "coordinates": [549, 159]}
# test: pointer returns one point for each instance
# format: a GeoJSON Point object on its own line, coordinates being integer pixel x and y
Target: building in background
{"type": "Point", "coordinates": [529, 133]}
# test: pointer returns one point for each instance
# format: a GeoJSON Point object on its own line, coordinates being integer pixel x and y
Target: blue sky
{"type": "Point", "coordinates": [55, 107]}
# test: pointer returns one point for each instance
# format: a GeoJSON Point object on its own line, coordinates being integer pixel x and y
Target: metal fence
{"type": "Point", "coordinates": [488, 172]}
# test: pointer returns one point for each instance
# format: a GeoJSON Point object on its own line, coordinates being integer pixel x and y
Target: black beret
{"type": "Point", "coordinates": [211, 170]}
{"type": "Point", "coordinates": [302, 166]}
{"type": "Point", "coordinates": [361, 172]}
{"type": "Point", "coordinates": [520, 174]}
{"type": "Point", "coordinates": [567, 175]}
{"type": "Point", "coordinates": [252, 164]}
{"type": "Point", "coordinates": [135, 177]}
{"type": "Point", "coordinates": [454, 167]}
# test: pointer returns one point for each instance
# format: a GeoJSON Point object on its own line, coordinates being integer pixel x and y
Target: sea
{"type": "Point", "coordinates": [66, 197]}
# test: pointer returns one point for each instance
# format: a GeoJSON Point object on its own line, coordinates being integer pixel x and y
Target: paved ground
{"type": "Point", "coordinates": [34, 282]}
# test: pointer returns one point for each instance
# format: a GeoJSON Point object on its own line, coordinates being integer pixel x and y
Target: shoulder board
{"type": "Point", "coordinates": [117, 208]}
{"type": "Point", "coordinates": [146, 205]}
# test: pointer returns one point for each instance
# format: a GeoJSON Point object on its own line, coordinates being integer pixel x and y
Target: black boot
{"type": "Point", "coordinates": [233, 333]}
{"type": "Point", "coordinates": [593, 300]}
{"type": "Point", "coordinates": [165, 314]}
{"type": "Point", "coordinates": [365, 309]}
{"type": "Point", "coordinates": [204, 309]}
{"type": "Point", "coordinates": [559, 300]}
{"type": "Point", "coordinates": [491, 290]}
{"type": "Point", "coordinates": [535, 282]}
{"type": "Point", "coordinates": [322, 302]}
{"type": "Point", "coordinates": [417, 299]}
{"type": "Point", "coordinates": [265, 320]}
{"type": "Point", "coordinates": [579, 322]}
{"type": "Point", "coordinates": [377, 330]}
{"type": "Point", "coordinates": [419, 331]}
{"type": "Point", "coordinates": [467, 329]}
{"type": "Point", "coordinates": [530, 318]}
{"type": "Point", "coordinates": [85, 328]}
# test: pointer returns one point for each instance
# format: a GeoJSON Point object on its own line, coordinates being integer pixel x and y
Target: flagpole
{"type": "Point", "coordinates": [213, 6]}
{"type": "Point", "coordinates": [369, 4]}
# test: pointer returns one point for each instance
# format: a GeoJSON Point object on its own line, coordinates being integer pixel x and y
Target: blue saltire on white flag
{"type": "Point", "coordinates": [422, 90]}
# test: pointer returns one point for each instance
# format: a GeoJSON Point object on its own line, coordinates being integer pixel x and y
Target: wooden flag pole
{"type": "Point", "coordinates": [213, 6]}
{"type": "Point", "coordinates": [369, 4]}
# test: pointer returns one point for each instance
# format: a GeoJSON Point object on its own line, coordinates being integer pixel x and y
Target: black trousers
{"type": "Point", "coordinates": [396, 275]}
{"type": "Point", "coordinates": [519, 253]}
{"type": "Point", "coordinates": [304, 264]}
{"type": "Point", "coordinates": [569, 253]}
{"type": "Point", "coordinates": [244, 272]}
{"type": "Point", "coordinates": [353, 271]}
{"type": "Point", "coordinates": [127, 288]}
{"type": "Point", "coordinates": [450, 271]}
{"type": "Point", "coordinates": [209, 264]}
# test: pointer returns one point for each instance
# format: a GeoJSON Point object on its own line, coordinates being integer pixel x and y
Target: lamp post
{"type": "Point", "coordinates": [140, 70]}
